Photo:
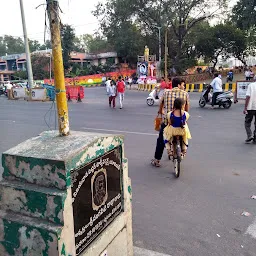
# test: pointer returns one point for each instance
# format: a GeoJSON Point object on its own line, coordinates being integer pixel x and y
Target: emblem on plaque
{"type": "Point", "coordinates": [99, 189]}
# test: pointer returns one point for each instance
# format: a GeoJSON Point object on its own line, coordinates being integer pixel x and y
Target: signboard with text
{"type": "Point", "coordinates": [242, 87]}
{"type": "Point", "coordinates": [96, 197]}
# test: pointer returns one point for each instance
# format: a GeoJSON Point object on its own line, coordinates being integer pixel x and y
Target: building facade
{"type": "Point", "coordinates": [10, 64]}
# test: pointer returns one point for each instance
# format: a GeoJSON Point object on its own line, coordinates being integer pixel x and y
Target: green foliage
{"type": "Point", "coordinates": [244, 17]}
{"type": "Point", "coordinates": [22, 75]}
{"type": "Point", "coordinates": [47, 45]}
{"type": "Point", "coordinates": [15, 45]}
{"type": "Point", "coordinates": [244, 14]}
{"type": "Point", "coordinates": [68, 44]}
{"type": "Point", "coordinates": [40, 66]}
{"type": "Point", "coordinates": [34, 45]}
{"type": "Point", "coordinates": [88, 69]}
{"type": "Point", "coordinates": [93, 43]}
{"type": "Point", "coordinates": [129, 23]}
{"type": "Point", "coordinates": [11, 45]}
{"type": "Point", "coordinates": [221, 40]}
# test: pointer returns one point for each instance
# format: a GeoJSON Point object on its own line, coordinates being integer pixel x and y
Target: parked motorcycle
{"type": "Point", "coordinates": [225, 99]}
{"type": "Point", "coordinates": [3, 91]}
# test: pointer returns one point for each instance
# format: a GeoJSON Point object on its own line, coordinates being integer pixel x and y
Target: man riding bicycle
{"type": "Point", "coordinates": [166, 106]}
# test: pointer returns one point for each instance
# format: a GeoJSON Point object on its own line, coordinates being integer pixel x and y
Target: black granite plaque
{"type": "Point", "coordinates": [96, 196]}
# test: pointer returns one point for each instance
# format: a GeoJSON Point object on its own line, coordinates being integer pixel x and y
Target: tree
{"type": "Point", "coordinates": [40, 65]}
{"type": "Point", "coordinates": [244, 17]}
{"type": "Point", "coordinates": [93, 43]}
{"type": "Point", "coordinates": [244, 14]}
{"type": "Point", "coordinates": [34, 45]}
{"type": "Point", "coordinates": [221, 40]}
{"type": "Point", "coordinates": [127, 40]}
{"type": "Point", "coordinates": [179, 17]}
{"type": "Point", "coordinates": [11, 45]}
{"type": "Point", "coordinates": [47, 45]}
{"type": "Point", "coordinates": [21, 75]}
{"type": "Point", "coordinates": [68, 44]}
{"type": "Point", "coordinates": [3, 48]}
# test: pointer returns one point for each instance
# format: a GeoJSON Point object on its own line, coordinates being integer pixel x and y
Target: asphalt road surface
{"type": "Point", "coordinates": [198, 214]}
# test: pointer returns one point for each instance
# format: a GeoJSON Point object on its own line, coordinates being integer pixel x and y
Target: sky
{"type": "Point", "coordinates": [75, 12]}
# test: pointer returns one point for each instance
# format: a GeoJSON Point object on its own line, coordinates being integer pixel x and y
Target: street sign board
{"type": "Point", "coordinates": [242, 87]}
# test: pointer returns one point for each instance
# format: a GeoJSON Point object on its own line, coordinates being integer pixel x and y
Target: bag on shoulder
{"type": "Point", "coordinates": [158, 122]}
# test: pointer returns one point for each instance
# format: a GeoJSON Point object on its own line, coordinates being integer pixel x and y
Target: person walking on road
{"type": "Point", "coordinates": [167, 104]}
{"type": "Point", "coordinates": [108, 84]}
{"type": "Point", "coordinates": [130, 82]}
{"type": "Point", "coordinates": [121, 90]}
{"type": "Point", "coordinates": [216, 84]}
{"type": "Point", "coordinates": [111, 90]}
{"type": "Point", "coordinates": [247, 74]}
{"type": "Point", "coordinates": [230, 76]}
{"type": "Point", "coordinates": [9, 90]}
{"type": "Point", "coordinates": [250, 112]}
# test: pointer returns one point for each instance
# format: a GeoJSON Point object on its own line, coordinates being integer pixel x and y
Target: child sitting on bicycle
{"type": "Point", "coordinates": [177, 126]}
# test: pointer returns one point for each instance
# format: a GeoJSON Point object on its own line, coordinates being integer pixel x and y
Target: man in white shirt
{"type": "Point", "coordinates": [108, 83]}
{"type": "Point", "coordinates": [247, 74]}
{"type": "Point", "coordinates": [250, 112]}
{"type": "Point", "coordinates": [9, 90]}
{"type": "Point", "coordinates": [130, 82]}
{"type": "Point", "coordinates": [216, 84]}
{"type": "Point", "coordinates": [111, 90]}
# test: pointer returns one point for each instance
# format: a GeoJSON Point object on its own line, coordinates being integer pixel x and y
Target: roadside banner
{"type": "Point", "coordinates": [241, 89]}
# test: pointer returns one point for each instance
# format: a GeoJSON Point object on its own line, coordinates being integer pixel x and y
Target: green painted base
{"type": "Point", "coordinates": [36, 214]}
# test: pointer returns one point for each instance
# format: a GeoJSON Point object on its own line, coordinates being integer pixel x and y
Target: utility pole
{"type": "Point", "coordinates": [159, 47]}
{"type": "Point", "coordinates": [166, 55]}
{"type": "Point", "coordinates": [29, 66]}
{"type": "Point", "coordinates": [159, 43]}
{"type": "Point", "coordinates": [59, 79]}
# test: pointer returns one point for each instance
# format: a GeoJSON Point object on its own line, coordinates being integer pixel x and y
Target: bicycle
{"type": "Point", "coordinates": [176, 158]}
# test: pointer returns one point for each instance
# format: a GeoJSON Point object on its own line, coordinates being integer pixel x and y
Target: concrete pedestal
{"type": "Point", "coordinates": [66, 196]}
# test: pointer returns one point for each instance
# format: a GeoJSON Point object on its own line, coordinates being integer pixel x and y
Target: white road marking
{"type": "Point", "coordinates": [251, 230]}
{"type": "Point", "coordinates": [118, 131]}
{"type": "Point", "coordinates": [143, 252]}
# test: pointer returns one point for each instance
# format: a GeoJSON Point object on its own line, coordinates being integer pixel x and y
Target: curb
{"type": "Point", "coordinates": [189, 87]}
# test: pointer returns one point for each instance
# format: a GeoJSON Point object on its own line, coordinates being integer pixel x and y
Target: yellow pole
{"type": "Point", "coordinates": [165, 55]}
{"type": "Point", "coordinates": [59, 78]}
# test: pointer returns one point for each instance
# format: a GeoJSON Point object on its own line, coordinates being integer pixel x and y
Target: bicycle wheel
{"type": "Point", "coordinates": [177, 167]}
{"type": "Point", "coordinates": [177, 160]}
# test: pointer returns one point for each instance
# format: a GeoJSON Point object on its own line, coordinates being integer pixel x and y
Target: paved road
{"type": "Point", "coordinates": [196, 215]}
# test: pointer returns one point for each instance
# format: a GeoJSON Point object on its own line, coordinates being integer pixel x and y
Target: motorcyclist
{"type": "Point", "coordinates": [230, 76]}
{"type": "Point", "coordinates": [216, 84]}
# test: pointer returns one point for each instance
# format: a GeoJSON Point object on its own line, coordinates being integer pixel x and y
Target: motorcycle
{"type": "Point", "coordinates": [225, 99]}
{"type": "Point", "coordinates": [3, 91]}
{"type": "Point", "coordinates": [154, 97]}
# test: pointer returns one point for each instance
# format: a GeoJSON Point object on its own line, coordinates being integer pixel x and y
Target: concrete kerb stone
{"type": "Point", "coordinates": [36, 213]}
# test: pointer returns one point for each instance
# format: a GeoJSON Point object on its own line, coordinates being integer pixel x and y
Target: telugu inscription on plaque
{"type": "Point", "coordinates": [96, 197]}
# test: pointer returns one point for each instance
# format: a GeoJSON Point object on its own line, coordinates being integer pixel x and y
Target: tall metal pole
{"type": "Point", "coordinates": [29, 66]}
{"type": "Point", "coordinates": [59, 79]}
{"type": "Point", "coordinates": [165, 55]}
{"type": "Point", "coordinates": [160, 50]}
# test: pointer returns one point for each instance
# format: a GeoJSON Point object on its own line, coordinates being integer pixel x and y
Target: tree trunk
{"type": "Point", "coordinates": [242, 60]}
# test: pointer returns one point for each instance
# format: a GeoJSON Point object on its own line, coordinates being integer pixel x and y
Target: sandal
{"type": "Point", "coordinates": [155, 163]}
{"type": "Point", "coordinates": [183, 154]}
{"type": "Point", "coordinates": [169, 152]}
